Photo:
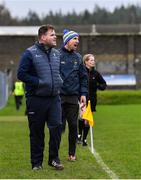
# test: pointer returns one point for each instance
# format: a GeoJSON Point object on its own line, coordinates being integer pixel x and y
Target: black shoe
{"type": "Point", "coordinates": [85, 142]}
{"type": "Point", "coordinates": [56, 165]}
{"type": "Point", "coordinates": [79, 141]}
{"type": "Point", "coordinates": [36, 168]}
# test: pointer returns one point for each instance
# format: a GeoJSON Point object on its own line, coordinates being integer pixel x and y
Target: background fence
{"type": "Point", "coordinates": [5, 87]}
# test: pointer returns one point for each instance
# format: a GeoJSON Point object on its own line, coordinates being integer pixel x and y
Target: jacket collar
{"type": "Point", "coordinates": [43, 48]}
{"type": "Point", "coordinates": [66, 50]}
{"type": "Point", "coordinates": [90, 70]}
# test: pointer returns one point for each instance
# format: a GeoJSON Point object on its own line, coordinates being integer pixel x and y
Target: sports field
{"type": "Point", "coordinates": [117, 143]}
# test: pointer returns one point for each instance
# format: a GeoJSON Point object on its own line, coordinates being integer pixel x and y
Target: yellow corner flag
{"type": "Point", "coordinates": [88, 115]}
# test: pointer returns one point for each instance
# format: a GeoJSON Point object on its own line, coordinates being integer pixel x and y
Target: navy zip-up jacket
{"type": "Point", "coordinates": [73, 73]}
{"type": "Point", "coordinates": [39, 69]}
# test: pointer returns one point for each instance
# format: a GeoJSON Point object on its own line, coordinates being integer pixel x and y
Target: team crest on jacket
{"type": "Point", "coordinates": [75, 62]}
{"type": "Point", "coordinates": [63, 62]}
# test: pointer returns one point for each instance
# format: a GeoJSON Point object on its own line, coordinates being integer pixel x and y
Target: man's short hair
{"type": "Point", "coordinates": [43, 29]}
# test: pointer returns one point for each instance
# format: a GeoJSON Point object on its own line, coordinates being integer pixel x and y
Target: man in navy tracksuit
{"type": "Point", "coordinates": [39, 69]}
{"type": "Point", "coordinates": [75, 87]}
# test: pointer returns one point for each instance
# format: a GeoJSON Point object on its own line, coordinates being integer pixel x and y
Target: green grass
{"type": "Point", "coordinates": [111, 97]}
{"type": "Point", "coordinates": [116, 138]}
{"type": "Point", "coordinates": [119, 97]}
{"type": "Point", "coordinates": [10, 109]}
{"type": "Point", "coordinates": [14, 155]}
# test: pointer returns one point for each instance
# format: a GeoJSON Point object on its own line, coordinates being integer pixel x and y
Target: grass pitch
{"type": "Point", "coordinates": [117, 139]}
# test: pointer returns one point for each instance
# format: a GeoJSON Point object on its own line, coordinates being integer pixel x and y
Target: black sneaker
{"type": "Point", "coordinates": [85, 142]}
{"type": "Point", "coordinates": [56, 165]}
{"type": "Point", "coordinates": [79, 141]}
{"type": "Point", "coordinates": [36, 168]}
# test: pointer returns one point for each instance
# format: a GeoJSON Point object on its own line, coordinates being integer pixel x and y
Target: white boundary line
{"type": "Point", "coordinates": [103, 165]}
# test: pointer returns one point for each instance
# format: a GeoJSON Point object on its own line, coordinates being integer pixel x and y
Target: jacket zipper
{"type": "Point", "coordinates": [52, 88]}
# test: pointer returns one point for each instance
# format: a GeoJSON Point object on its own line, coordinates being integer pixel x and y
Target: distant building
{"type": "Point", "coordinates": [116, 47]}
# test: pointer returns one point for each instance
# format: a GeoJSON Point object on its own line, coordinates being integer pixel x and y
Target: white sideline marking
{"type": "Point", "coordinates": [103, 165]}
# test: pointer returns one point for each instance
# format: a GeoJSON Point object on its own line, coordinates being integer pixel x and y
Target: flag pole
{"type": "Point", "coordinates": [91, 136]}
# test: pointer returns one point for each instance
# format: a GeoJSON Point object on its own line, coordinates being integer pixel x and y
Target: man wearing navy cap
{"type": "Point", "coordinates": [75, 87]}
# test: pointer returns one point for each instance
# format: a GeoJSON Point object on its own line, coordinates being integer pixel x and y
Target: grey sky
{"type": "Point", "coordinates": [20, 8]}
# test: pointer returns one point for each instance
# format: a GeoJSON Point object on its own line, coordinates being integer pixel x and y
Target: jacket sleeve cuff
{"type": "Point", "coordinates": [84, 94]}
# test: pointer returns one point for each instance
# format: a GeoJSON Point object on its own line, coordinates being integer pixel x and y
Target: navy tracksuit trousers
{"type": "Point", "coordinates": [42, 110]}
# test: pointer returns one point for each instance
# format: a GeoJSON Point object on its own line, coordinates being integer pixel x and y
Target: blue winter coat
{"type": "Point", "coordinates": [40, 71]}
{"type": "Point", "coordinates": [73, 73]}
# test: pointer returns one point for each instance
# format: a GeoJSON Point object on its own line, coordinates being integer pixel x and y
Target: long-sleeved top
{"type": "Point", "coordinates": [73, 73]}
{"type": "Point", "coordinates": [96, 81]}
{"type": "Point", "coordinates": [39, 69]}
